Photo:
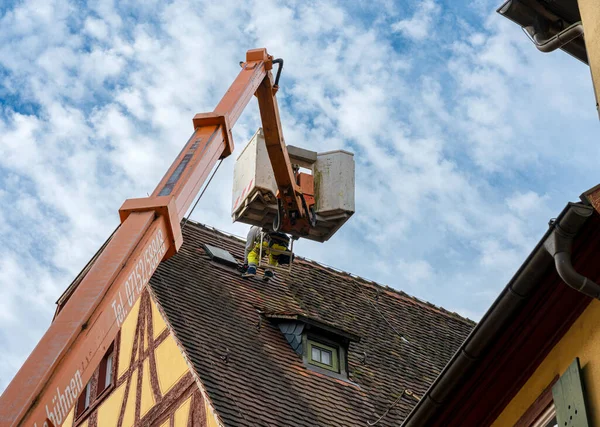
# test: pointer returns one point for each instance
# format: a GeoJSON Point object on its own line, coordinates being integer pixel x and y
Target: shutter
{"type": "Point", "coordinates": [102, 376]}
{"type": "Point", "coordinates": [569, 398]}
{"type": "Point", "coordinates": [81, 403]}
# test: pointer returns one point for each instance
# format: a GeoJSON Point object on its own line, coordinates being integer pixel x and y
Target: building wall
{"type": "Point", "coordinates": [583, 341]}
{"type": "Point", "coordinates": [590, 15]}
{"type": "Point", "coordinates": [152, 383]}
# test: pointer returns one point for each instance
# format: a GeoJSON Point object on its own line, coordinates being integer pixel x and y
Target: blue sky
{"type": "Point", "coordinates": [467, 139]}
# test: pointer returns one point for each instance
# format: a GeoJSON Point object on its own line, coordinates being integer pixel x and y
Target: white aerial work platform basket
{"type": "Point", "coordinates": [254, 199]}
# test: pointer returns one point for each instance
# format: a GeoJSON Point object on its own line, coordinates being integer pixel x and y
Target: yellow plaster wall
{"type": "Point", "coordinates": [590, 15]}
{"type": "Point", "coordinates": [127, 335]}
{"type": "Point", "coordinates": [108, 412]}
{"type": "Point", "coordinates": [68, 422]}
{"type": "Point", "coordinates": [170, 364]}
{"type": "Point", "coordinates": [182, 413]}
{"type": "Point", "coordinates": [581, 340]}
{"type": "Point", "coordinates": [158, 323]}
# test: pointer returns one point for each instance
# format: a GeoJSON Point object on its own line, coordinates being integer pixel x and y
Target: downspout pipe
{"type": "Point", "coordinates": [559, 244]}
{"type": "Point", "coordinates": [558, 40]}
{"type": "Point", "coordinates": [505, 308]}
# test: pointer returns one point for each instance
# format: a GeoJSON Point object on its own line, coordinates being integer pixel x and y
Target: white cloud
{"type": "Point", "coordinates": [524, 204]}
{"type": "Point", "coordinates": [96, 28]}
{"type": "Point", "coordinates": [421, 25]}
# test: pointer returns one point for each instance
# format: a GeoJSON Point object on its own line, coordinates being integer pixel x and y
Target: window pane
{"type": "Point", "coordinates": [88, 389]}
{"type": "Point", "coordinates": [108, 376]}
{"type": "Point", "coordinates": [316, 354]}
{"type": "Point", "coordinates": [323, 355]}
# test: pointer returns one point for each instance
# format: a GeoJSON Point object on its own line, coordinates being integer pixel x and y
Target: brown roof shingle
{"type": "Point", "coordinates": [254, 377]}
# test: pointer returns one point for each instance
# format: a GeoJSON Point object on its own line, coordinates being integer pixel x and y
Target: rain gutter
{"type": "Point", "coordinates": [555, 243]}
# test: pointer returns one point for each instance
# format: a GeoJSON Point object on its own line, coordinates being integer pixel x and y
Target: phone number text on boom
{"type": "Point", "coordinates": [140, 274]}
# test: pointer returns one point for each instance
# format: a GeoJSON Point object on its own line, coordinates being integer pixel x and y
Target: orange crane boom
{"type": "Point", "coordinates": [64, 360]}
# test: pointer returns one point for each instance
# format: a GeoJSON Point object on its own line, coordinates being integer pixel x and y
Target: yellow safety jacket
{"type": "Point", "coordinates": [273, 252]}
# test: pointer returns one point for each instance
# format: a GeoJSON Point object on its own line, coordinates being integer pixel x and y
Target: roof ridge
{"type": "Point", "coordinates": [396, 293]}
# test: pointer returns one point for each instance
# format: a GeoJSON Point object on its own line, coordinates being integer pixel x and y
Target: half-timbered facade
{"type": "Point", "coordinates": [144, 379]}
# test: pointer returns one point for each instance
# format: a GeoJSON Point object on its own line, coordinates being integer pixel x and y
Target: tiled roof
{"type": "Point", "coordinates": [251, 373]}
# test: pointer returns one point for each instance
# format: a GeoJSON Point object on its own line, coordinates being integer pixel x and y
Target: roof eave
{"type": "Point", "coordinates": [496, 321]}
{"type": "Point", "coordinates": [526, 12]}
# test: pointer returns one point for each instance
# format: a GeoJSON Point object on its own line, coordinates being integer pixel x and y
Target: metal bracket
{"type": "Point", "coordinates": [216, 119]}
{"type": "Point", "coordinates": [161, 205]}
{"type": "Point", "coordinates": [290, 253]}
{"type": "Point", "coordinates": [280, 62]}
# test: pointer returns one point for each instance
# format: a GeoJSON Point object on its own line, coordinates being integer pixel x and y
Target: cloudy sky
{"type": "Point", "coordinates": [466, 139]}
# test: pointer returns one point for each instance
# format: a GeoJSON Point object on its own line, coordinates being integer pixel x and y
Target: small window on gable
{"type": "Point", "coordinates": [323, 356]}
{"type": "Point", "coordinates": [105, 374]}
{"type": "Point", "coordinates": [85, 399]}
{"type": "Point", "coordinates": [105, 380]}
{"type": "Point", "coordinates": [88, 393]}
{"type": "Point", "coordinates": [109, 365]}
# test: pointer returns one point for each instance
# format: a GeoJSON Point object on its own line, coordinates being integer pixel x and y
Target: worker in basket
{"type": "Point", "coordinates": [274, 246]}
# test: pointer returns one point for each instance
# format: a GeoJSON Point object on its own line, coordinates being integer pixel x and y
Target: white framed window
{"type": "Point", "coordinates": [109, 371]}
{"type": "Point", "coordinates": [323, 356]}
{"type": "Point", "coordinates": [105, 371]}
{"type": "Point", "coordinates": [84, 400]}
{"type": "Point", "coordinates": [88, 394]}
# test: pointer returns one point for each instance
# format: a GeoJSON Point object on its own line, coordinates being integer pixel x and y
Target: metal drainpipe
{"type": "Point", "coordinates": [559, 40]}
{"type": "Point", "coordinates": [559, 245]}
{"type": "Point", "coordinates": [506, 308]}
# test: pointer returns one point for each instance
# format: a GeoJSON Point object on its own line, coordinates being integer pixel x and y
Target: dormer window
{"type": "Point", "coordinates": [322, 346]}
